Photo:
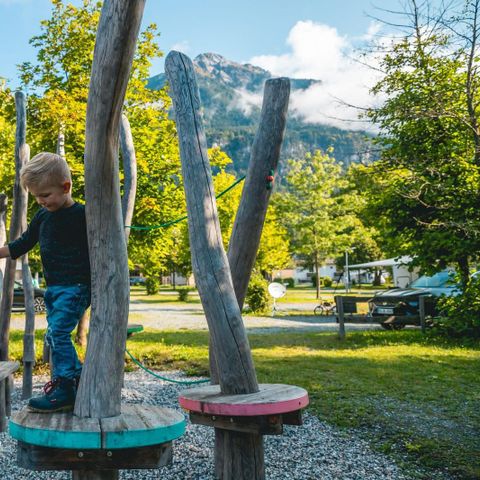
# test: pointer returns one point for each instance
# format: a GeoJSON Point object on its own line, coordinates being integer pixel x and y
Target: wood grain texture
{"type": "Point", "coordinates": [129, 172]}
{"type": "Point", "coordinates": [209, 260]}
{"type": "Point", "coordinates": [102, 377]}
{"type": "Point", "coordinates": [7, 368]}
{"type": "Point", "coordinates": [19, 206]}
{"type": "Point", "coordinates": [29, 333]}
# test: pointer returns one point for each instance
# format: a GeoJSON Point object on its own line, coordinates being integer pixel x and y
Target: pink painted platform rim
{"type": "Point", "coordinates": [244, 409]}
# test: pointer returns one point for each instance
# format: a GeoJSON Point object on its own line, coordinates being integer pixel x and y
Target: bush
{"type": "Point", "coordinates": [327, 282]}
{"type": "Point", "coordinates": [289, 282]}
{"type": "Point", "coordinates": [152, 284]}
{"type": "Point", "coordinates": [258, 298]}
{"type": "Point", "coordinates": [460, 315]}
{"type": "Point", "coordinates": [183, 293]}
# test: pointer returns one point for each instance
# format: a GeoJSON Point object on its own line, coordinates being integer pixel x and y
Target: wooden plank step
{"type": "Point", "coordinates": [271, 399]}
{"type": "Point", "coordinates": [136, 426]}
{"type": "Point", "coordinates": [7, 368]}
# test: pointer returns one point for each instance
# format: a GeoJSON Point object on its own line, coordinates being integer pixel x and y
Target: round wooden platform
{"type": "Point", "coordinates": [137, 426]}
{"type": "Point", "coordinates": [272, 399]}
{"type": "Point", "coordinates": [134, 328]}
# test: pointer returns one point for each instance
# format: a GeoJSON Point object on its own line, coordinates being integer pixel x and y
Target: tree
{"type": "Point", "coordinates": [317, 209]}
{"type": "Point", "coordinates": [423, 192]}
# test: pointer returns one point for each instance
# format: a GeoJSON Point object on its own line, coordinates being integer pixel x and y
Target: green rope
{"type": "Point", "coordinates": [177, 220]}
{"type": "Point", "coordinates": [183, 382]}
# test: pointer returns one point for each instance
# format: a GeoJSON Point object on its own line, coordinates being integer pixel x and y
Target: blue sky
{"type": "Point", "coordinates": [296, 38]}
{"type": "Point", "coordinates": [238, 30]}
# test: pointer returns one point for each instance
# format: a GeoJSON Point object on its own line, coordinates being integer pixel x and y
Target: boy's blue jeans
{"type": "Point", "coordinates": [66, 305]}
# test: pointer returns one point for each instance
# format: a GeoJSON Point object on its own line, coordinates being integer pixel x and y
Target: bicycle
{"type": "Point", "coordinates": [326, 307]}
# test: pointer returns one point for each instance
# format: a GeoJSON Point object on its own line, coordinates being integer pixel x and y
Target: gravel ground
{"type": "Point", "coordinates": [315, 450]}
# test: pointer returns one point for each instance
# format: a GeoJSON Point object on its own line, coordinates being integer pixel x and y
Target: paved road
{"type": "Point", "coordinates": [190, 316]}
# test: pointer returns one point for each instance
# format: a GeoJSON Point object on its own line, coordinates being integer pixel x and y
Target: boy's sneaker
{"type": "Point", "coordinates": [59, 397]}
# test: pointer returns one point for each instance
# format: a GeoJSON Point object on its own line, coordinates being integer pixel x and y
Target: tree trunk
{"type": "Point", "coordinates": [130, 173]}
{"type": "Point", "coordinates": [19, 199]}
{"type": "Point", "coordinates": [61, 143]}
{"type": "Point", "coordinates": [317, 274]}
{"type": "Point", "coordinates": [99, 393]}
{"type": "Point", "coordinates": [464, 269]}
{"type": "Point", "coordinates": [3, 236]}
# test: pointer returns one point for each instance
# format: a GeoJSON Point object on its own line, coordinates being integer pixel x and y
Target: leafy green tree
{"type": "Point", "coordinates": [317, 209]}
{"type": "Point", "coordinates": [423, 193]}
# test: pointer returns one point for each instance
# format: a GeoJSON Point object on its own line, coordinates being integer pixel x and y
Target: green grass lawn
{"type": "Point", "coordinates": [414, 397]}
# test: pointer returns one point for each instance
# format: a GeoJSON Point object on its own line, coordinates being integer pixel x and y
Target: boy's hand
{"type": "Point", "coordinates": [4, 252]}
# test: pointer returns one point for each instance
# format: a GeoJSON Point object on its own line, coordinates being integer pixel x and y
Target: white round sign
{"type": "Point", "coordinates": [277, 290]}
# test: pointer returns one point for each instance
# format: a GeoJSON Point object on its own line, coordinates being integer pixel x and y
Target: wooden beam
{"type": "Point", "coordinates": [341, 316]}
{"type": "Point", "coordinates": [102, 377]}
{"type": "Point", "coordinates": [3, 235]}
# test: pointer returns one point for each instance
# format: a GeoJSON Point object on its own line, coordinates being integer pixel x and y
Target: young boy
{"type": "Point", "coordinates": [60, 228]}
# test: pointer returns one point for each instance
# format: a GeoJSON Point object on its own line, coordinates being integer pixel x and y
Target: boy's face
{"type": "Point", "coordinates": [52, 198]}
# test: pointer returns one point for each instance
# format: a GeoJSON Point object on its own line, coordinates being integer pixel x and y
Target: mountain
{"type": "Point", "coordinates": [231, 95]}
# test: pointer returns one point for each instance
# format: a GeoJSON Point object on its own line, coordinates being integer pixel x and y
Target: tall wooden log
{"type": "Point", "coordinates": [210, 264]}
{"type": "Point", "coordinates": [21, 156]}
{"type": "Point", "coordinates": [246, 234]}
{"type": "Point", "coordinates": [102, 377]}
{"type": "Point", "coordinates": [243, 454]}
{"type": "Point", "coordinates": [29, 334]}
{"type": "Point", "coordinates": [3, 235]}
{"type": "Point", "coordinates": [129, 172]}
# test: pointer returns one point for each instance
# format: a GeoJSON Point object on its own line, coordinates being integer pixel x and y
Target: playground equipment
{"type": "Point", "coordinates": [238, 408]}
{"type": "Point", "coordinates": [102, 434]}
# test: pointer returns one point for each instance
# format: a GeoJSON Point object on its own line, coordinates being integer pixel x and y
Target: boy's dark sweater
{"type": "Point", "coordinates": [63, 244]}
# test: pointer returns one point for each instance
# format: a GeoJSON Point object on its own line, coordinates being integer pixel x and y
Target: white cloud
{"type": "Point", "coordinates": [319, 52]}
{"type": "Point", "coordinates": [182, 46]}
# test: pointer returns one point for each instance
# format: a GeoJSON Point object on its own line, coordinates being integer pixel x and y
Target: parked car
{"type": "Point", "coordinates": [38, 300]}
{"type": "Point", "coordinates": [137, 280]}
{"type": "Point", "coordinates": [405, 301]}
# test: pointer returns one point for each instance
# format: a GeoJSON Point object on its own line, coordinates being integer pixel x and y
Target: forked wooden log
{"type": "Point", "coordinates": [235, 367]}
{"type": "Point", "coordinates": [102, 377]}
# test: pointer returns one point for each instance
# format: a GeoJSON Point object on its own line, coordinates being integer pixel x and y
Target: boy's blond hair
{"type": "Point", "coordinates": [45, 169]}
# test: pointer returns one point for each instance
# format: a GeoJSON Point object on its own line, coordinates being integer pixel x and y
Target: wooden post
{"type": "Point", "coordinates": [247, 229]}
{"type": "Point", "coordinates": [341, 317]}
{"type": "Point", "coordinates": [29, 335]}
{"type": "Point", "coordinates": [102, 377]}
{"type": "Point", "coordinates": [421, 312]}
{"type": "Point", "coordinates": [130, 173]}
{"type": "Point", "coordinates": [21, 154]}
{"type": "Point", "coordinates": [244, 459]}
{"type": "Point", "coordinates": [3, 235]}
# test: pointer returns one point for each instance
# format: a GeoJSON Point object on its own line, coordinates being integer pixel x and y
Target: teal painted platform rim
{"type": "Point", "coordinates": [134, 328]}
{"type": "Point", "coordinates": [55, 439]}
{"type": "Point", "coordinates": [144, 438]}
{"type": "Point", "coordinates": [93, 440]}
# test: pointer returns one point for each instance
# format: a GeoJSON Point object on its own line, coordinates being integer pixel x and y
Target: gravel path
{"type": "Point", "coordinates": [315, 450]}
